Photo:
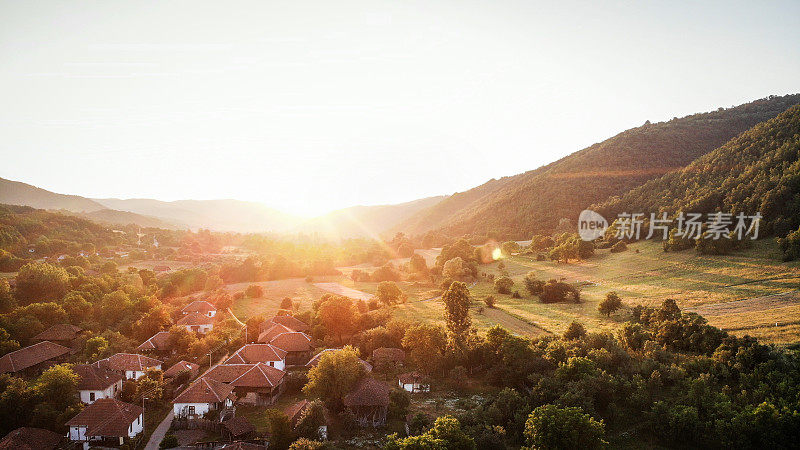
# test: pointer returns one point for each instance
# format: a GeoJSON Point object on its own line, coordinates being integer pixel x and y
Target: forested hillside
{"type": "Point", "coordinates": [535, 201]}
{"type": "Point", "coordinates": [758, 171]}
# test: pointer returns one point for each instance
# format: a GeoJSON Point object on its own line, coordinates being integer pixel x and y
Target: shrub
{"type": "Point", "coordinates": [556, 291]}
{"type": "Point", "coordinates": [169, 441]}
{"type": "Point", "coordinates": [619, 247]}
{"type": "Point", "coordinates": [503, 285]}
{"type": "Point", "coordinates": [254, 291]}
{"type": "Point", "coordinates": [516, 294]}
{"type": "Point", "coordinates": [489, 300]}
{"type": "Point", "coordinates": [611, 303]}
{"type": "Point", "coordinates": [575, 330]}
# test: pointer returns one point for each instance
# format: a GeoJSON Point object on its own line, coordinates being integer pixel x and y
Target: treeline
{"type": "Point", "coordinates": [535, 202]}
{"type": "Point", "coordinates": [757, 172]}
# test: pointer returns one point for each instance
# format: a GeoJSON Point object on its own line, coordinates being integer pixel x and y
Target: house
{"type": "Point", "coordinates": [414, 382]}
{"type": "Point", "coordinates": [273, 330]}
{"type": "Point", "coordinates": [62, 334]}
{"type": "Point", "coordinates": [259, 353]}
{"type": "Point", "coordinates": [237, 428]}
{"type": "Point", "coordinates": [28, 438]}
{"type": "Point", "coordinates": [290, 322]}
{"type": "Point", "coordinates": [182, 367]}
{"type": "Point", "coordinates": [369, 402]}
{"type": "Point", "coordinates": [199, 323]}
{"type": "Point", "coordinates": [95, 383]}
{"type": "Point", "coordinates": [255, 384]}
{"type": "Point", "coordinates": [315, 360]}
{"type": "Point", "coordinates": [31, 360]}
{"type": "Point", "coordinates": [200, 306]}
{"type": "Point", "coordinates": [158, 343]}
{"type": "Point", "coordinates": [203, 396]}
{"type": "Point", "coordinates": [385, 357]}
{"type": "Point", "coordinates": [106, 420]}
{"type": "Point", "coordinates": [297, 346]}
{"type": "Point", "coordinates": [131, 365]}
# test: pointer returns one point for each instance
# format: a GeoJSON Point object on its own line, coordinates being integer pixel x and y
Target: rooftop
{"type": "Point", "coordinates": [106, 417]}
{"type": "Point", "coordinates": [30, 356]}
{"type": "Point", "coordinates": [95, 378]}
{"type": "Point", "coordinates": [206, 390]}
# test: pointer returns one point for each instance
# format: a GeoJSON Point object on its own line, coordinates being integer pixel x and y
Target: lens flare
{"type": "Point", "coordinates": [497, 254]}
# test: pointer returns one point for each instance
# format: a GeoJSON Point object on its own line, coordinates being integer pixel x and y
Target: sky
{"type": "Point", "coordinates": [313, 106]}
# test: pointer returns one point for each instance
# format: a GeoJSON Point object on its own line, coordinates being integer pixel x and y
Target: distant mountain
{"type": "Point", "coordinates": [758, 171]}
{"type": "Point", "coordinates": [365, 221]}
{"type": "Point", "coordinates": [18, 193]}
{"type": "Point", "coordinates": [535, 201]}
{"type": "Point", "coordinates": [112, 216]}
{"type": "Point", "coordinates": [218, 215]}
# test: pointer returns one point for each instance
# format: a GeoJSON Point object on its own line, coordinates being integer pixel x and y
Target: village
{"type": "Point", "coordinates": [253, 377]}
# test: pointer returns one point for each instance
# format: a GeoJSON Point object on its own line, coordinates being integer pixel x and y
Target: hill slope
{"type": "Point", "coordinates": [535, 201]}
{"type": "Point", "coordinates": [18, 193]}
{"type": "Point", "coordinates": [758, 171]}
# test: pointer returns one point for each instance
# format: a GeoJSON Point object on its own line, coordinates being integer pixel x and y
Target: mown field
{"type": "Point", "coordinates": [642, 275]}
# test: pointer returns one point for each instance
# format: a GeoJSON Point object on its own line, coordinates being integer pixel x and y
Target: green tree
{"type": "Point", "coordinates": [426, 343]}
{"type": "Point", "coordinates": [280, 429]}
{"type": "Point", "coordinates": [41, 283]}
{"type": "Point", "coordinates": [337, 315]}
{"type": "Point", "coordinates": [96, 347]}
{"type": "Point", "coordinates": [310, 420]}
{"type": "Point", "coordinates": [389, 293]}
{"type": "Point", "coordinates": [610, 304]}
{"type": "Point", "coordinates": [7, 302]}
{"type": "Point", "coordinates": [575, 330]}
{"type": "Point", "coordinates": [532, 285]}
{"type": "Point", "coordinates": [551, 427]}
{"type": "Point", "coordinates": [454, 268]}
{"type": "Point", "coordinates": [503, 285]}
{"type": "Point", "coordinates": [456, 314]}
{"type": "Point", "coordinates": [57, 386]}
{"type": "Point", "coordinates": [446, 434]}
{"type": "Point", "coordinates": [417, 264]}
{"type": "Point", "coordinates": [336, 374]}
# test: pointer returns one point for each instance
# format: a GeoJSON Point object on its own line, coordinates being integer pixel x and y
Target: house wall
{"type": "Point", "coordinates": [77, 433]}
{"type": "Point", "coordinates": [109, 392]}
{"type": "Point", "coordinates": [199, 408]}
{"type": "Point", "coordinates": [136, 426]}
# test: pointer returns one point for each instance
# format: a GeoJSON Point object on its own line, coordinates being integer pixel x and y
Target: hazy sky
{"type": "Point", "coordinates": [311, 106]}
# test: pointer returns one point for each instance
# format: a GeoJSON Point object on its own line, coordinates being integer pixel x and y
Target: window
{"type": "Point", "coordinates": [91, 396]}
{"type": "Point", "coordinates": [191, 410]}
{"type": "Point", "coordinates": [272, 363]}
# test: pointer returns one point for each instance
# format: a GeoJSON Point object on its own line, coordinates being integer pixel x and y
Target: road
{"type": "Point", "coordinates": [159, 433]}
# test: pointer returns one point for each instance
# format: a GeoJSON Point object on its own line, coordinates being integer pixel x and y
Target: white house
{"type": "Point", "coordinates": [202, 396]}
{"type": "Point", "coordinates": [96, 383]}
{"type": "Point", "coordinates": [414, 382]}
{"type": "Point", "coordinates": [197, 322]}
{"type": "Point", "coordinates": [106, 420]}
{"type": "Point", "coordinates": [130, 365]}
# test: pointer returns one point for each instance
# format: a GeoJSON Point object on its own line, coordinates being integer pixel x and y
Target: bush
{"type": "Point", "coordinates": [254, 291]}
{"type": "Point", "coordinates": [619, 247]}
{"type": "Point", "coordinates": [489, 300]}
{"type": "Point", "coordinates": [169, 441]}
{"type": "Point", "coordinates": [575, 330]}
{"type": "Point", "coordinates": [533, 285]}
{"type": "Point", "coordinates": [556, 292]}
{"type": "Point", "coordinates": [611, 303]}
{"type": "Point", "coordinates": [516, 294]}
{"type": "Point", "coordinates": [503, 285]}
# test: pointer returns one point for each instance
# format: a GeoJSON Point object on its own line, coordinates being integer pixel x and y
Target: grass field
{"type": "Point", "coordinates": [642, 275]}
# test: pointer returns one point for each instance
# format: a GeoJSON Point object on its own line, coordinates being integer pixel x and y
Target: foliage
{"type": "Point", "coordinates": [610, 304]}
{"type": "Point", "coordinates": [456, 314]}
{"type": "Point", "coordinates": [336, 374]}
{"type": "Point", "coordinates": [551, 427]}
{"type": "Point", "coordinates": [311, 419]}
{"type": "Point", "coordinates": [534, 286]}
{"type": "Point", "coordinates": [427, 344]}
{"type": "Point", "coordinates": [446, 434]}
{"type": "Point", "coordinates": [503, 285]}
{"type": "Point", "coordinates": [254, 291]}
{"type": "Point", "coordinates": [558, 292]}
{"type": "Point", "coordinates": [41, 283]}
{"type": "Point", "coordinates": [575, 330]}
{"type": "Point", "coordinates": [389, 293]}
{"type": "Point", "coordinates": [489, 300]}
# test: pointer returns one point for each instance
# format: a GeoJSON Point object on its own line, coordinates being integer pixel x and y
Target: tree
{"type": "Point", "coordinates": [610, 304]}
{"type": "Point", "coordinates": [489, 300]}
{"type": "Point", "coordinates": [510, 247]}
{"type": "Point", "coordinates": [533, 286]}
{"type": "Point", "coordinates": [551, 427]}
{"type": "Point", "coordinates": [336, 374]}
{"type": "Point", "coordinates": [57, 386]}
{"type": "Point", "coordinates": [280, 429]}
{"type": "Point", "coordinates": [286, 303]}
{"type": "Point", "coordinates": [456, 314]}
{"type": "Point", "coordinates": [310, 420]}
{"type": "Point", "coordinates": [151, 385]}
{"type": "Point", "coordinates": [41, 283]}
{"type": "Point", "coordinates": [181, 339]}
{"type": "Point", "coordinates": [399, 400]}
{"type": "Point", "coordinates": [389, 293]}
{"type": "Point", "coordinates": [446, 434]}
{"type": "Point", "coordinates": [96, 347]}
{"type": "Point", "coordinates": [405, 250]}
{"type": "Point", "coordinates": [575, 330]}
{"type": "Point", "coordinates": [7, 302]}
{"type": "Point", "coordinates": [503, 285]}
{"type": "Point", "coordinates": [337, 315]}
{"type": "Point", "coordinates": [417, 264]}
{"type": "Point", "coordinates": [454, 268]}
{"type": "Point", "coordinates": [254, 291]}
{"type": "Point", "coordinates": [426, 343]}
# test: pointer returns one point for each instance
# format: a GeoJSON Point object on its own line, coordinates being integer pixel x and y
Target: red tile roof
{"type": "Point", "coordinates": [27, 438]}
{"type": "Point", "coordinates": [106, 417]}
{"type": "Point", "coordinates": [294, 341]}
{"type": "Point", "coordinates": [238, 426]}
{"type": "Point", "coordinates": [253, 353]}
{"type": "Point", "coordinates": [158, 341]}
{"type": "Point", "coordinates": [412, 378]}
{"type": "Point", "coordinates": [368, 392]}
{"type": "Point", "coordinates": [293, 412]}
{"type": "Point", "coordinates": [195, 318]}
{"type": "Point", "coordinates": [30, 356]}
{"type": "Point", "coordinates": [200, 306]}
{"type": "Point", "coordinates": [58, 332]}
{"type": "Point", "coordinates": [206, 390]}
{"type": "Point", "coordinates": [247, 375]}
{"type": "Point", "coordinates": [273, 330]}
{"type": "Point", "coordinates": [290, 321]}
{"type": "Point", "coordinates": [179, 367]}
{"type": "Point", "coordinates": [94, 378]}
{"type": "Point", "coordinates": [128, 361]}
